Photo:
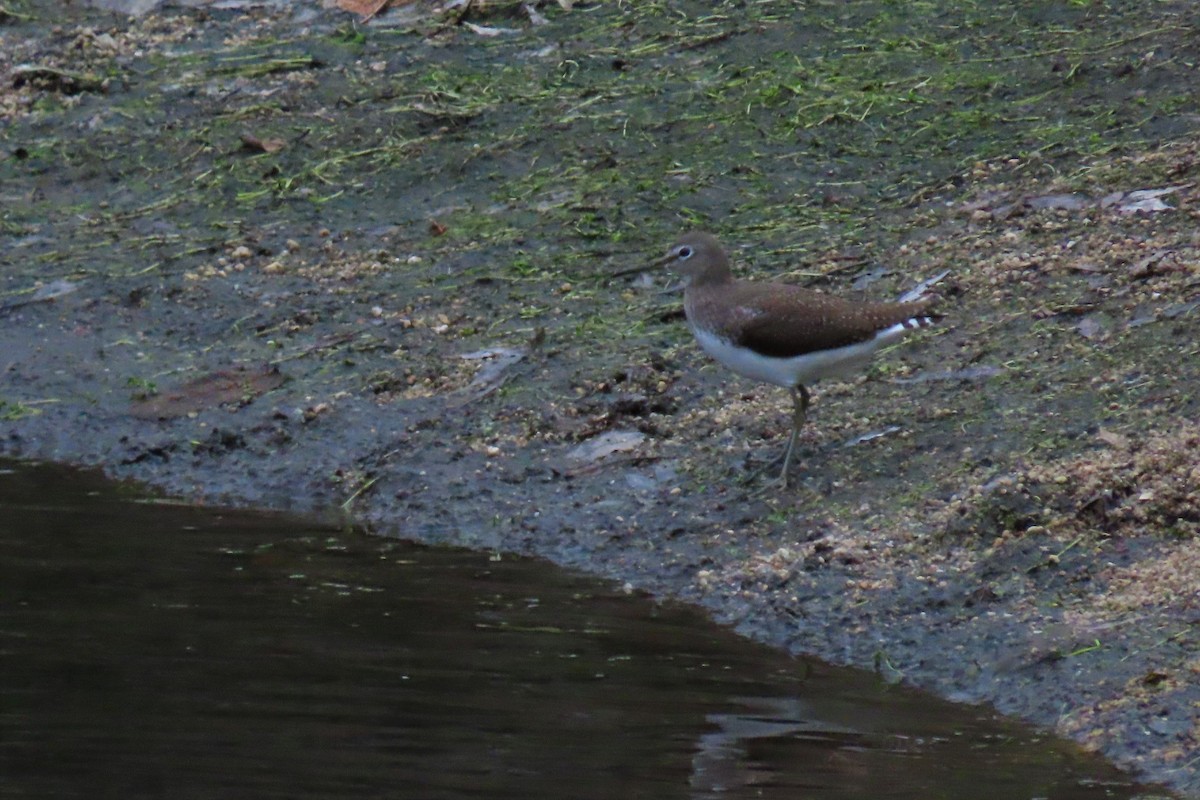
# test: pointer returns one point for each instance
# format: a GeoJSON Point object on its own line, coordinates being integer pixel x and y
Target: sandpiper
{"type": "Point", "coordinates": [778, 333]}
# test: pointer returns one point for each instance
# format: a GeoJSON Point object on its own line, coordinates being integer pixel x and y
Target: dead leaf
{"type": "Point", "coordinates": [54, 79]}
{"type": "Point", "coordinates": [49, 291]}
{"type": "Point", "coordinates": [1142, 194]}
{"type": "Point", "coordinates": [1071, 202]}
{"type": "Point", "coordinates": [1179, 310]}
{"type": "Point", "coordinates": [872, 436]}
{"type": "Point", "coordinates": [1113, 439]}
{"type": "Point", "coordinates": [1092, 327]}
{"type": "Point", "coordinates": [1111, 199]}
{"type": "Point", "coordinates": [493, 371]}
{"type": "Point", "coordinates": [534, 17]}
{"type": "Point", "coordinates": [1148, 206]}
{"type": "Point", "coordinates": [240, 385]}
{"type": "Point", "coordinates": [252, 142]}
{"type": "Point", "coordinates": [364, 8]}
{"type": "Point", "coordinates": [606, 444]}
{"type": "Point", "coordinates": [924, 286]}
{"type": "Point", "coordinates": [436, 228]}
{"type": "Point", "coordinates": [484, 30]}
{"type": "Point", "coordinates": [1148, 266]}
{"type": "Point", "coordinates": [1147, 200]}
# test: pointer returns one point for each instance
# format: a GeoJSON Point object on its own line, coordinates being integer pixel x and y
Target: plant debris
{"type": "Point", "coordinates": [237, 385]}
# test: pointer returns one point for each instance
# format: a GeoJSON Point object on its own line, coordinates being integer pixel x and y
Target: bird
{"type": "Point", "coordinates": [779, 333]}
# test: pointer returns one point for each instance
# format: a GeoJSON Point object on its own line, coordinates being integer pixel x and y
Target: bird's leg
{"type": "Point", "coordinates": [799, 415]}
{"type": "Point", "coordinates": [800, 400]}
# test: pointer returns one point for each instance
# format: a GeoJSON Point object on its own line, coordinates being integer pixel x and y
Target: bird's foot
{"type": "Point", "coordinates": [771, 486]}
{"type": "Point", "coordinates": [781, 482]}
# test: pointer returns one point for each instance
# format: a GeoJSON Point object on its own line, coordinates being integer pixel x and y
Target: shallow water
{"type": "Point", "coordinates": [158, 650]}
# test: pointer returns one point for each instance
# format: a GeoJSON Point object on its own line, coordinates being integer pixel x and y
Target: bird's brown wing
{"type": "Point", "coordinates": [785, 321]}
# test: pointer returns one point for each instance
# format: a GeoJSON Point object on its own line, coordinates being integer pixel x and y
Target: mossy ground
{"type": "Point", "coordinates": [426, 192]}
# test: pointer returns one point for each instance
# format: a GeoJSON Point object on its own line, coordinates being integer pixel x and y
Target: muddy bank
{"type": "Point", "coordinates": [281, 259]}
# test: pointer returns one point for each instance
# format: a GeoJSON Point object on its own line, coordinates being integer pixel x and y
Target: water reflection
{"type": "Point", "coordinates": [153, 650]}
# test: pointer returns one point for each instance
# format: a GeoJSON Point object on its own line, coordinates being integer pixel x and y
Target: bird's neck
{"type": "Point", "coordinates": [712, 275]}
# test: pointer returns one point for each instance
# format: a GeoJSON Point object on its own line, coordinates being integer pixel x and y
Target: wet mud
{"type": "Point", "coordinates": [276, 257]}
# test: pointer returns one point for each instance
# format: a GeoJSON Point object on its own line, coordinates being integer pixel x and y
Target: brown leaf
{"type": "Point", "coordinates": [1148, 266]}
{"type": "Point", "coordinates": [252, 142]}
{"type": "Point", "coordinates": [240, 385]}
{"type": "Point", "coordinates": [1113, 439]}
{"type": "Point", "coordinates": [436, 228]}
{"type": "Point", "coordinates": [364, 8]}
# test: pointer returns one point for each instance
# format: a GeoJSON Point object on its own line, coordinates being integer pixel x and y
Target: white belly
{"type": "Point", "coordinates": [797, 370]}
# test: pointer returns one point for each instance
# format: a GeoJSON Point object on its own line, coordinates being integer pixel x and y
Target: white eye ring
{"type": "Point", "coordinates": [684, 252]}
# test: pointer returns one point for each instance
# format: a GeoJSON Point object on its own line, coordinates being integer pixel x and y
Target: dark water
{"type": "Point", "coordinates": [152, 650]}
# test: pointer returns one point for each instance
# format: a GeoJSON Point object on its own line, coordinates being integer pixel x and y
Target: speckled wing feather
{"type": "Point", "coordinates": [785, 321]}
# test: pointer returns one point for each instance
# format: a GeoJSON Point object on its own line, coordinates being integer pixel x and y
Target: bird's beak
{"type": "Point", "coordinates": [662, 261]}
{"type": "Point", "coordinates": [657, 263]}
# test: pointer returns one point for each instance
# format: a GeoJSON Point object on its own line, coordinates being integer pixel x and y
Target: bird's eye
{"type": "Point", "coordinates": [684, 253]}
